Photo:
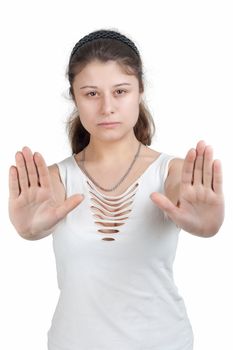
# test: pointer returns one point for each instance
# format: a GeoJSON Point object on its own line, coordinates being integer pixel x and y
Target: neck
{"type": "Point", "coordinates": [112, 152]}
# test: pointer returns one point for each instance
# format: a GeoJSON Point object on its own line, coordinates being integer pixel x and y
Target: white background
{"type": "Point", "coordinates": [186, 47]}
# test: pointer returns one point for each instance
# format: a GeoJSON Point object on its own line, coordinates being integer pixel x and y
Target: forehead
{"type": "Point", "coordinates": [98, 72]}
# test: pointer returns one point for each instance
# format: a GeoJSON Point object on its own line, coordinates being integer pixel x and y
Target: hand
{"type": "Point", "coordinates": [34, 208]}
{"type": "Point", "coordinates": [200, 208]}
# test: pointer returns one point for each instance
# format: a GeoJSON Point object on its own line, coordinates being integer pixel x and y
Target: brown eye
{"type": "Point", "coordinates": [92, 92]}
{"type": "Point", "coordinates": [120, 90]}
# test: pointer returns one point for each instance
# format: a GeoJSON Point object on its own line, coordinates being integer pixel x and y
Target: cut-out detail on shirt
{"type": "Point", "coordinates": [110, 213]}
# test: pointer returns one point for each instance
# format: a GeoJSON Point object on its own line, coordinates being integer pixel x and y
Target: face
{"type": "Point", "coordinates": [103, 94]}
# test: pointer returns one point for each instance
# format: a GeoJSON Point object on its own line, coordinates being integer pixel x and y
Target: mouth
{"type": "Point", "coordinates": [112, 123]}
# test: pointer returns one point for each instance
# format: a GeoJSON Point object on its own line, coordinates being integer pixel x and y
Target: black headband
{"type": "Point", "coordinates": [104, 34]}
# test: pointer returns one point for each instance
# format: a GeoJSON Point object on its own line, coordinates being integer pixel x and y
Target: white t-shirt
{"type": "Point", "coordinates": [114, 258]}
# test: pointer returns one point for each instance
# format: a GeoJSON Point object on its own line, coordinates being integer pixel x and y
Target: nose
{"type": "Point", "coordinates": [107, 104]}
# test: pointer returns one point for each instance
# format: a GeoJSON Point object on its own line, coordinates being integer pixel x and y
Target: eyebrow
{"type": "Point", "coordinates": [95, 87]}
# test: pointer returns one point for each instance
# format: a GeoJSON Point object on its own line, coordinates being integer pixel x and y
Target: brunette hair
{"type": "Point", "coordinates": [105, 49]}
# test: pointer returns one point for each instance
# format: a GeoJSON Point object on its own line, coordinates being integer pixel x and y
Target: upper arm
{"type": "Point", "coordinates": [173, 180]}
{"type": "Point", "coordinates": [58, 187]}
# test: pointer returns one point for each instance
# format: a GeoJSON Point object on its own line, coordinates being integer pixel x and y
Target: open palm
{"type": "Point", "coordinates": [200, 208]}
{"type": "Point", "coordinates": [34, 208]}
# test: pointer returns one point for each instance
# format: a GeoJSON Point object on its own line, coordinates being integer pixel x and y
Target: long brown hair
{"type": "Point", "coordinates": [104, 50]}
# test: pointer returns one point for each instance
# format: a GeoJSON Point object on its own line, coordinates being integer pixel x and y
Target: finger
{"type": "Point", "coordinates": [43, 172]}
{"type": "Point", "coordinates": [198, 166]}
{"type": "Point", "coordinates": [22, 171]}
{"type": "Point", "coordinates": [68, 205]}
{"type": "Point", "coordinates": [31, 167]}
{"type": "Point", "coordinates": [217, 176]}
{"type": "Point", "coordinates": [188, 167]}
{"type": "Point", "coordinates": [164, 204]}
{"type": "Point", "coordinates": [14, 188]}
{"type": "Point", "coordinates": [208, 167]}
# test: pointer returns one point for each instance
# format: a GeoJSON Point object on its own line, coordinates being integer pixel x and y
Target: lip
{"type": "Point", "coordinates": [109, 125]}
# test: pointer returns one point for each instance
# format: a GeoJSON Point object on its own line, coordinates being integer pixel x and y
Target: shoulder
{"type": "Point", "coordinates": [58, 187]}
{"type": "Point", "coordinates": [173, 180]}
{"type": "Point", "coordinates": [175, 166]}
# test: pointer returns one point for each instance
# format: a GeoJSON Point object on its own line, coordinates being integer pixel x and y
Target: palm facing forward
{"type": "Point", "coordinates": [200, 206]}
{"type": "Point", "coordinates": [34, 207]}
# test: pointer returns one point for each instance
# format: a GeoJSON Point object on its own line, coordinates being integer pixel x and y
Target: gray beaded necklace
{"type": "Point", "coordinates": [123, 177]}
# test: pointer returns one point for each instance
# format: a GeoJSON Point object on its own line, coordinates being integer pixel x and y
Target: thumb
{"type": "Point", "coordinates": [68, 205]}
{"type": "Point", "coordinates": [164, 203]}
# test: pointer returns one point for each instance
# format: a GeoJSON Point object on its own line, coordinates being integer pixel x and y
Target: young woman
{"type": "Point", "coordinates": [115, 208]}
